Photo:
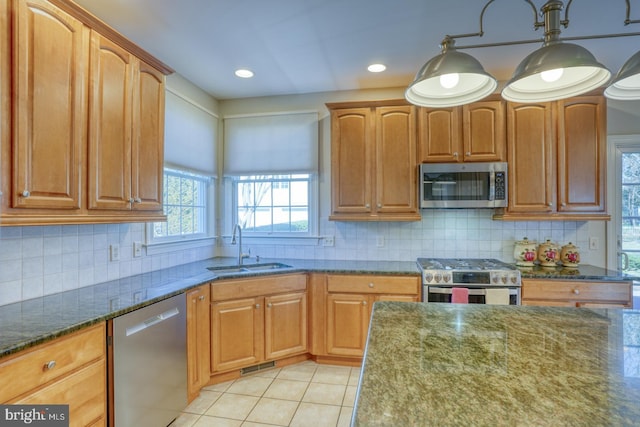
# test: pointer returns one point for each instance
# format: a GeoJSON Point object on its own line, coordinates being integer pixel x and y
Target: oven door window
{"type": "Point", "coordinates": [445, 297]}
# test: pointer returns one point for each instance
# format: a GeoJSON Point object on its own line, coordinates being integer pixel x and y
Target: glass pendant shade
{"type": "Point", "coordinates": [555, 71]}
{"type": "Point", "coordinates": [449, 79]}
{"type": "Point", "coordinates": [626, 85]}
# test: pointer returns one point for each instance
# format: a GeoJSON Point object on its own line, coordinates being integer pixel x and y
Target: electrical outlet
{"type": "Point", "coordinates": [328, 241]}
{"type": "Point", "coordinates": [380, 241]}
{"type": "Point", "coordinates": [114, 252]}
{"type": "Point", "coordinates": [594, 243]}
{"type": "Point", "coordinates": [137, 249]}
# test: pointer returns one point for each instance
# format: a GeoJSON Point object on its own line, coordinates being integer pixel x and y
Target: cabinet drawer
{"type": "Point", "coordinates": [28, 370]}
{"type": "Point", "coordinates": [374, 284]}
{"type": "Point", "coordinates": [257, 286]}
{"type": "Point", "coordinates": [84, 391]}
{"type": "Point", "coordinates": [576, 290]}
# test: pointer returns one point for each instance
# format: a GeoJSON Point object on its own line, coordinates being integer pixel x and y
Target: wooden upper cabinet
{"type": "Point", "coordinates": [581, 151]}
{"type": "Point", "coordinates": [373, 162]}
{"type": "Point", "coordinates": [110, 114]}
{"type": "Point", "coordinates": [81, 120]}
{"type": "Point", "coordinates": [484, 131]}
{"type": "Point", "coordinates": [125, 131]}
{"type": "Point", "coordinates": [557, 162]}
{"type": "Point", "coordinates": [147, 156]}
{"type": "Point", "coordinates": [440, 134]}
{"type": "Point", "coordinates": [396, 186]}
{"type": "Point", "coordinates": [531, 159]}
{"type": "Point", "coordinates": [351, 154]}
{"type": "Point", "coordinates": [472, 133]}
{"type": "Point", "coordinates": [50, 63]}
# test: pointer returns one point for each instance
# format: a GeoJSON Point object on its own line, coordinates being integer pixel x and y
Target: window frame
{"type": "Point", "coordinates": [171, 243]}
{"type": "Point", "coordinates": [231, 185]}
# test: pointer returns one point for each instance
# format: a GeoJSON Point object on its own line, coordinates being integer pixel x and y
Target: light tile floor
{"type": "Point", "coordinates": [300, 395]}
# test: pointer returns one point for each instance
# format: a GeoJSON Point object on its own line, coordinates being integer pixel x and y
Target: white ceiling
{"type": "Point", "coordinates": [302, 46]}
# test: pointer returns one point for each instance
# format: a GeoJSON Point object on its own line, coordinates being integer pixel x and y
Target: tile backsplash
{"type": "Point", "coordinates": [42, 260]}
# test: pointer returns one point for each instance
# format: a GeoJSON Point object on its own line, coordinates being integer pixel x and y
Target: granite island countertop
{"type": "Point", "coordinates": [480, 365]}
{"type": "Point", "coordinates": [38, 320]}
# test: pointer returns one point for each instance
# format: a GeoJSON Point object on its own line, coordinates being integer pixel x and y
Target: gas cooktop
{"type": "Point", "coordinates": [463, 264]}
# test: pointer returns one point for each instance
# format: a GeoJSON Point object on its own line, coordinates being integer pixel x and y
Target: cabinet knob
{"type": "Point", "coordinates": [468, 154]}
{"type": "Point", "coordinates": [49, 365]}
{"type": "Point", "coordinates": [371, 285]}
{"type": "Point", "coordinates": [364, 303]}
{"type": "Point", "coordinates": [26, 193]}
{"type": "Point", "coordinates": [137, 200]}
{"type": "Point", "coordinates": [367, 206]}
{"type": "Point", "coordinates": [379, 205]}
{"type": "Point", "coordinates": [269, 305]}
{"type": "Point", "coordinates": [455, 154]}
{"type": "Point", "coordinates": [257, 305]}
{"type": "Point", "coordinates": [564, 204]}
{"type": "Point", "coordinates": [131, 200]}
{"type": "Point", "coordinates": [550, 204]}
{"type": "Point", "coordinates": [576, 291]}
{"type": "Point", "coordinates": [201, 297]}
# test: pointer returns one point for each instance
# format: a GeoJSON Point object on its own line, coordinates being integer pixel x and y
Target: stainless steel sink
{"type": "Point", "coordinates": [248, 268]}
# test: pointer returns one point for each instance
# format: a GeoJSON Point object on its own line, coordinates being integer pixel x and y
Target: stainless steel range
{"type": "Point", "coordinates": [469, 280]}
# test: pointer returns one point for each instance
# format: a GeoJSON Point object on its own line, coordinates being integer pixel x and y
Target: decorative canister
{"type": "Point", "coordinates": [548, 254]}
{"type": "Point", "coordinates": [524, 252]}
{"type": "Point", "coordinates": [570, 255]}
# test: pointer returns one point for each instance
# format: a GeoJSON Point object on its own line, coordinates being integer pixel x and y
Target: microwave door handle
{"type": "Point", "coordinates": [492, 186]}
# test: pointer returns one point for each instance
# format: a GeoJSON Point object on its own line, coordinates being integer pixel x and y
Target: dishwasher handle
{"type": "Point", "coordinates": [154, 320]}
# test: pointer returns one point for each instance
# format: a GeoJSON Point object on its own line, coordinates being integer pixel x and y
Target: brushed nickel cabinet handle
{"type": "Point", "coordinates": [49, 365]}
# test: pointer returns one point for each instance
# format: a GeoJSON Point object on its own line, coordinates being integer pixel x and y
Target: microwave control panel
{"type": "Point", "coordinates": [501, 190]}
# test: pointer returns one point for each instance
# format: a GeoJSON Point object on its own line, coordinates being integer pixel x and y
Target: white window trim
{"type": "Point", "coordinates": [165, 245]}
{"type": "Point", "coordinates": [311, 237]}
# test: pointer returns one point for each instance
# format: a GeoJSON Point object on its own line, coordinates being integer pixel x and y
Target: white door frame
{"type": "Point", "coordinates": [617, 144]}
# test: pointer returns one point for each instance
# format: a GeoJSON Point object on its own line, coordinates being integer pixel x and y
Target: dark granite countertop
{"type": "Point", "coordinates": [481, 365]}
{"type": "Point", "coordinates": [31, 322]}
{"type": "Point", "coordinates": [582, 272]}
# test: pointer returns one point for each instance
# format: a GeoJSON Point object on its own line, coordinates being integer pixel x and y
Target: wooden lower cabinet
{"type": "Point", "coordinates": [576, 293]}
{"type": "Point", "coordinates": [349, 302]}
{"type": "Point", "coordinates": [198, 340]}
{"type": "Point", "coordinates": [68, 370]}
{"type": "Point", "coordinates": [265, 320]}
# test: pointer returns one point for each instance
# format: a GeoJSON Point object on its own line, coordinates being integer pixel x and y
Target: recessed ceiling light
{"type": "Point", "coordinates": [376, 68]}
{"type": "Point", "coordinates": [245, 74]}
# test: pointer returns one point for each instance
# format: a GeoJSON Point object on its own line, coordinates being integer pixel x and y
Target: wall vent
{"type": "Point", "coordinates": [256, 368]}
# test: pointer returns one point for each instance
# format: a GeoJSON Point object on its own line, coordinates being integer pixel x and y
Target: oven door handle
{"type": "Point", "coordinates": [472, 291]}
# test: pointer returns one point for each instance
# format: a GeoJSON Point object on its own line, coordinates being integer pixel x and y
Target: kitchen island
{"type": "Point", "coordinates": [457, 364]}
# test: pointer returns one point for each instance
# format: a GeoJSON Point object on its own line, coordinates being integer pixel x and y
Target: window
{"type": "Point", "coordinates": [274, 204]}
{"type": "Point", "coordinates": [186, 204]}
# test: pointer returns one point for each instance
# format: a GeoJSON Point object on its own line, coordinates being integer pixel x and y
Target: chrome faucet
{"type": "Point", "coordinates": [241, 255]}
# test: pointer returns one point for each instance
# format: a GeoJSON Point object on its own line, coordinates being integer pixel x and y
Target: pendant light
{"type": "Point", "coordinates": [557, 70]}
{"type": "Point", "coordinates": [626, 84]}
{"type": "Point", "coordinates": [451, 78]}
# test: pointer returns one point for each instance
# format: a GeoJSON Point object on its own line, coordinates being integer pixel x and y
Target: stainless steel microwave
{"type": "Point", "coordinates": [463, 185]}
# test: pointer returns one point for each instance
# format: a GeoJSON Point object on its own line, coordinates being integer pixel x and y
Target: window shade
{"type": "Point", "coordinates": [190, 135]}
{"type": "Point", "coordinates": [271, 144]}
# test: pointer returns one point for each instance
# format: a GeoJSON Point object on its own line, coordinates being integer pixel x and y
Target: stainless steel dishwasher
{"type": "Point", "coordinates": [149, 364]}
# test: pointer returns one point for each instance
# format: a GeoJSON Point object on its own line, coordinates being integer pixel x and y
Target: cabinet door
{"type": "Point", "coordinates": [50, 67]}
{"type": "Point", "coordinates": [484, 131]}
{"type": "Point", "coordinates": [351, 160]}
{"type": "Point", "coordinates": [237, 333]}
{"type": "Point", "coordinates": [440, 134]}
{"type": "Point", "coordinates": [147, 156]}
{"type": "Point", "coordinates": [285, 323]}
{"type": "Point", "coordinates": [531, 158]}
{"type": "Point", "coordinates": [581, 154]}
{"type": "Point", "coordinates": [110, 105]}
{"type": "Point", "coordinates": [198, 340]}
{"type": "Point", "coordinates": [347, 324]}
{"type": "Point", "coordinates": [396, 166]}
